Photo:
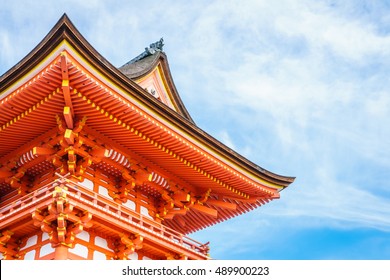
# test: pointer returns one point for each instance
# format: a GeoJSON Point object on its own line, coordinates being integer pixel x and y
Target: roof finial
{"type": "Point", "coordinates": [155, 47]}
{"type": "Point", "coordinates": [152, 49]}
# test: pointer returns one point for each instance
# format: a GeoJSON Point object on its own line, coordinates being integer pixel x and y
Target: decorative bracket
{"type": "Point", "coordinates": [7, 248]}
{"type": "Point", "coordinates": [60, 220]}
{"type": "Point", "coordinates": [127, 245]}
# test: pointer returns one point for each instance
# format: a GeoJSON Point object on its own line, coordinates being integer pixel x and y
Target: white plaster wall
{"type": "Point", "coordinates": [99, 256]}
{"type": "Point", "coordinates": [133, 256]}
{"type": "Point", "coordinates": [145, 212]}
{"type": "Point", "coordinates": [80, 250]}
{"type": "Point", "coordinates": [101, 242]}
{"type": "Point", "coordinates": [130, 204]}
{"type": "Point", "coordinates": [30, 255]}
{"type": "Point", "coordinates": [103, 191]}
{"type": "Point", "coordinates": [30, 242]}
{"type": "Point", "coordinates": [83, 235]}
{"type": "Point", "coordinates": [45, 250]}
{"type": "Point", "coordinates": [45, 236]}
{"type": "Point", "coordinates": [87, 184]}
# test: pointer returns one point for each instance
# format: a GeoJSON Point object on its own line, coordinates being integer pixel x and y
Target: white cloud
{"type": "Point", "coordinates": [378, 106]}
{"type": "Point", "coordinates": [335, 203]}
{"type": "Point", "coordinates": [326, 105]}
{"type": "Point", "coordinates": [224, 137]}
{"type": "Point", "coordinates": [6, 50]}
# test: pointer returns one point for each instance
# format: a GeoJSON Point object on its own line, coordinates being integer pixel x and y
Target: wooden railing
{"type": "Point", "coordinates": [34, 197]}
{"type": "Point", "coordinates": [79, 193]}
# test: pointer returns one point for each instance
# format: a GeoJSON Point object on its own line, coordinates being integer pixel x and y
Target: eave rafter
{"type": "Point", "coordinates": [109, 103]}
{"type": "Point", "coordinates": [174, 140]}
{"type": "Point", "coordinates": [68, 109]}
{"type": "Point", "coordinates": [14, 170]}
{"type": "Point", "coordinates": [146, 151]}
{"type": "Point", "coordinates": [28, 111]}
{"type": "Point", "coordinates": [171, 208]}
{"type": "Point", "coordinates": [15, 102]}
{"type": "Point", "coordinates": [152, 142]}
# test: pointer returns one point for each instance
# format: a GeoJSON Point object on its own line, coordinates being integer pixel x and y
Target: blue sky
{"type": "Point", "coordinates": [301, 89]}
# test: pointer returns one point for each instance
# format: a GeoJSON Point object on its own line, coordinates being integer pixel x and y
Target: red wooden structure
{"type": "Point", "coordinates": [99, 162]}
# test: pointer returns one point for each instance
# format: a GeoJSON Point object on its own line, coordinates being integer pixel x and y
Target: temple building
{"type": "Point", "coordinates": [100, 162]}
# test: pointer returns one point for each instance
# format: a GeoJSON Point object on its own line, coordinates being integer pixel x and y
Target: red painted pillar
{"type": "Point", "coordinates": [61, 253]}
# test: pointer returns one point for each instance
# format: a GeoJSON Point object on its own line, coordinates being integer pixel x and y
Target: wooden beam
{"type": "Point", "coordinates": [65, 83]}
{"type": "Point", "coordinates": [66, 93]}
{"type": "Point", "coordinates": [12, 158]}
{"type": "Point", "coordinates": [275, 195]}
{"type": "Point", "coordinates": [100, 152]}
{"type": "Point", "coordinates": [69, 136]}
{"type": "Point", "coordinates": [172, 213]}
{"type": "Point", "coordinates": [71, 160]}
{"type": "Point", "coordinates": [41, 151]}
{"type": "Point", "coordinates": [182, 198]}
{"type": "Point", "coordinates": [141, 176]}
{"type": "Point", "coordinates": [240, 199]}
{"type": "Point", "coordinates": [222, 204]}
{"type": "Point", "coordinates": [80, 124]}
{"type": "Point", "coordinates": [182, 211]}
{"type": "Point", "coordinates": [68, 117]}
{"type": "Point", "coordinates": [64, 66]}
{"type": "Point", "coordinates": [205, 210]}
{"type": "Point", "coordinates": [5, 174]}
{"type": "Point", "coordinates": [181, 221]}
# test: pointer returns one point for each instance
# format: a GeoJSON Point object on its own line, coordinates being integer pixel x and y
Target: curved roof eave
{"type": "Point", "coordinates": [65, 30]}
{"type": "Point", "coordinates": [145, 66]}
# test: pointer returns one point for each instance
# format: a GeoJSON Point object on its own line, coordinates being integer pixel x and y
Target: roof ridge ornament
{"type": "Point", "coordinates": [152, 49]}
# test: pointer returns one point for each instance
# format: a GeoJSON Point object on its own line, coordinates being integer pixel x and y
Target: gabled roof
{"type": "Point", "coordinates": [139, 69]}
{"type": "Point", "coordinates": [64, 70]}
